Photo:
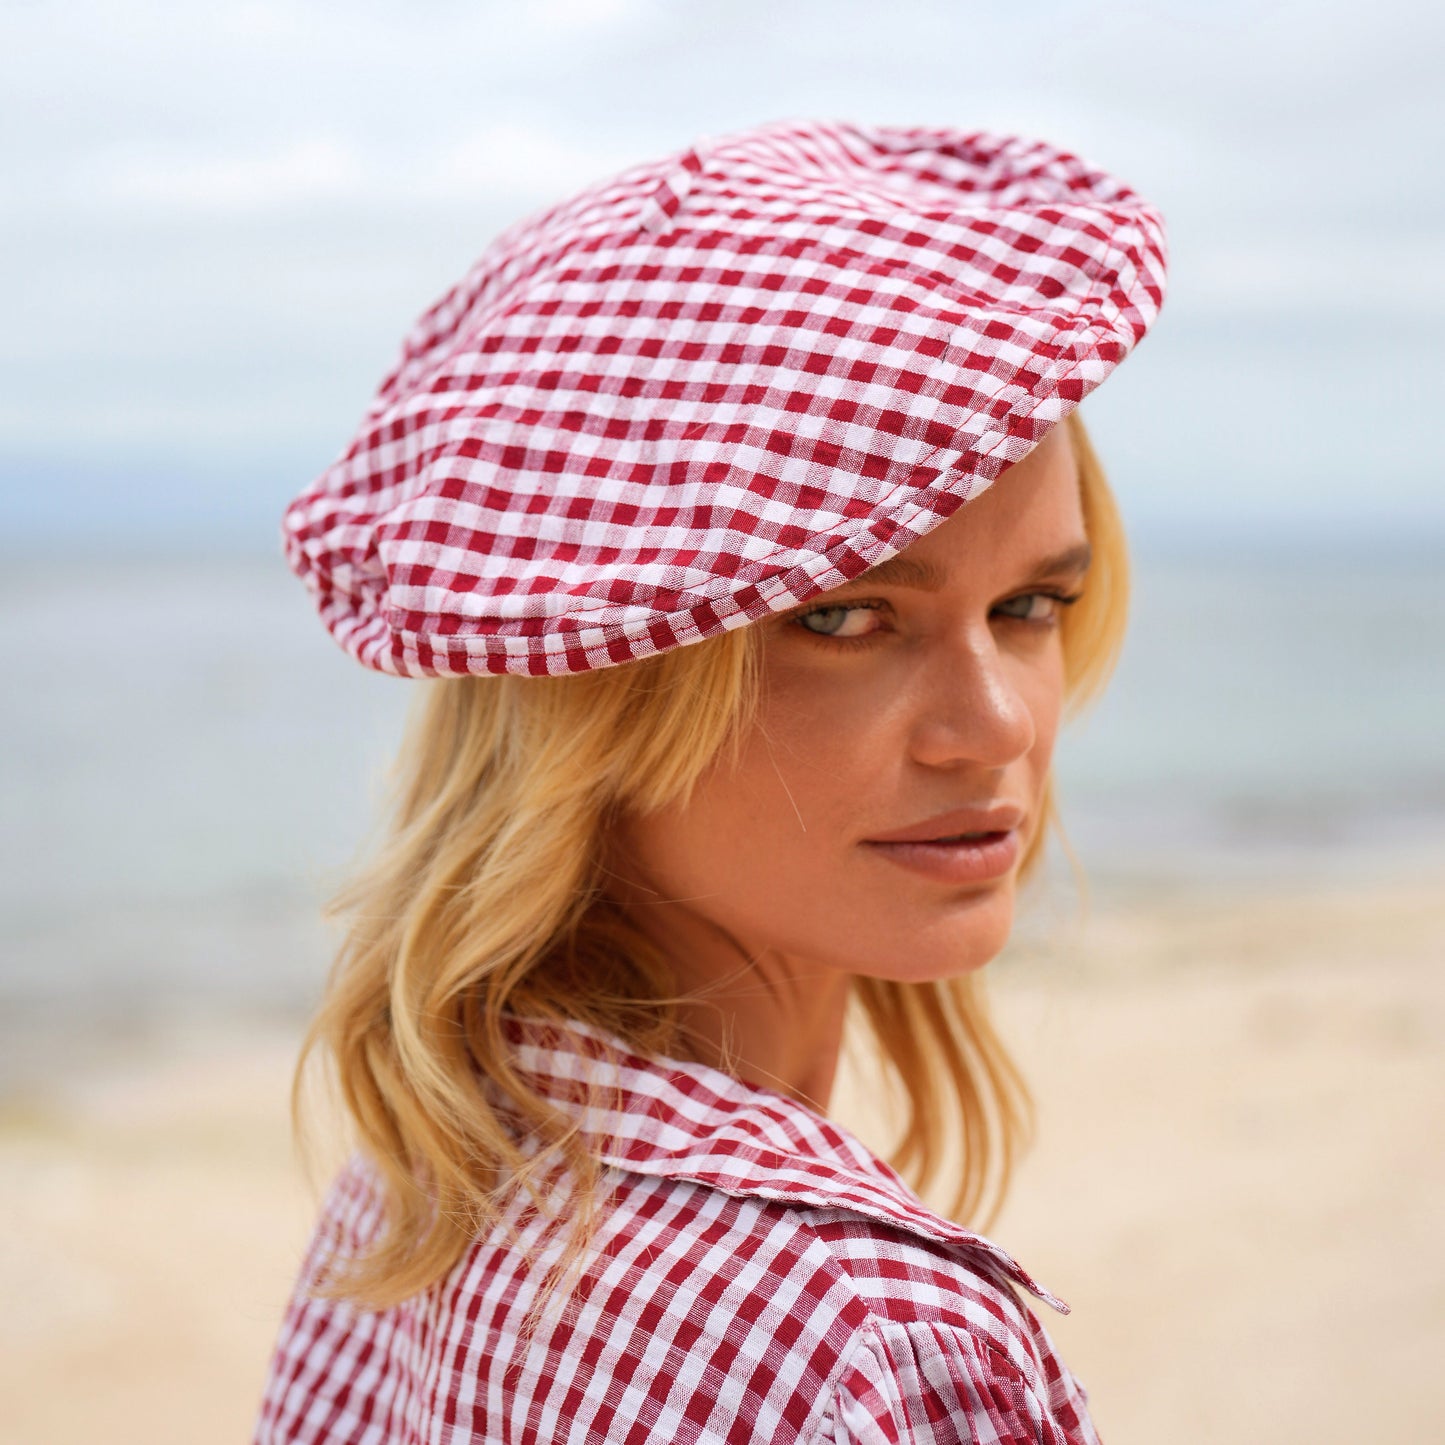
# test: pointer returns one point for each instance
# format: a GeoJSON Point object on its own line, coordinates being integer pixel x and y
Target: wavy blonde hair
{"type": "Point", "coordinates": [487, 898]}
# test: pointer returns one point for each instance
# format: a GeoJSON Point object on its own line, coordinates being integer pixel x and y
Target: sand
{"type": "Point", "coordinates": [1235, 1184]}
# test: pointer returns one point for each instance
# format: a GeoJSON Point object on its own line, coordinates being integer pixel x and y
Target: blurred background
{"type": "Point", "coordinates": [219, 222]}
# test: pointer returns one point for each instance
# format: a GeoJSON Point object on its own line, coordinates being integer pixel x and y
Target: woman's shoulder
{"type": "Point", "coordinates": [709, 1310]}
{"type": "Point", "coordinates": [704, 1136]}
{"type": "Point", "coordinates": [895, 1313]}
{"type": "Point", "coordinates": [778, 1216]}
{"type": "Point", "coordinates": [756, 1273]}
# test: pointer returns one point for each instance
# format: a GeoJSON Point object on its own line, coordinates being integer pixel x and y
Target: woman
{"type": "Point", "coordinates": [739, 719]}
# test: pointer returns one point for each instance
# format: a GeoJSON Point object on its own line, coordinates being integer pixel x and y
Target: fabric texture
{"type": "Point", "coordinates": [715, 385]}
{"type": "Point", "coordinates": [758, 1276]}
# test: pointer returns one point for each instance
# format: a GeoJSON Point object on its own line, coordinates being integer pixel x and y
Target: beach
{"type": "Point", "coordinates": [1236, 1040]}
{"type": "Point", "coordinates": [1234, 1183]}
{"type": "Point", "coordinates": [235, 222]}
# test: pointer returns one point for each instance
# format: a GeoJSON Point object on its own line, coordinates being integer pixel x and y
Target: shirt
{"type": "Point", "coordinates": [758, 1275]}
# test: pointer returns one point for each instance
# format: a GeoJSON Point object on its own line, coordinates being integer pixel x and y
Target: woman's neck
{"type": "Point", "coordinates": [769, 1019]}
{"type": "Point", "coordinates": [775, 1025]}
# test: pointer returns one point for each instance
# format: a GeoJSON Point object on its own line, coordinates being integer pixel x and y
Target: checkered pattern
{"type": "Point", "coordinates": [715, 385]}
{"type": "Point", "coordinates": [759, 1276]}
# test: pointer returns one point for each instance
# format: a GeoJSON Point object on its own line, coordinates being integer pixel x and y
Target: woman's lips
{"type": "Point", "coordinates": [977, 843]}
{"type": "Point", "coordinates": [955, 860]}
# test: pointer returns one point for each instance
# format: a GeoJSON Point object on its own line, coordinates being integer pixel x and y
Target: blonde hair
{"type": "Point", "coordinates": [486, 899]}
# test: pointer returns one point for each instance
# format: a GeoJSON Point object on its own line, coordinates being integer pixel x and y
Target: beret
{"type": "Point", "coordinates": [714, 385]}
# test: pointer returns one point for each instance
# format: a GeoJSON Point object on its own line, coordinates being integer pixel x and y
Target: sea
{"type": "Point", "coordinates": [189, 765]}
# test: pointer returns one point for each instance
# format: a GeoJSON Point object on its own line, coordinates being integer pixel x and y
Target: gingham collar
{"type": "Point", "coordinates": [679, 1120]}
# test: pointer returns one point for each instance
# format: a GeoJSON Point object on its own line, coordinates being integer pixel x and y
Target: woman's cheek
{"type": "Point", "coordinates": [830, 705]}
{"type": "Point", "coordinates": [1047, 704]}
{"type": "Point", "coordinates": [824, 748]}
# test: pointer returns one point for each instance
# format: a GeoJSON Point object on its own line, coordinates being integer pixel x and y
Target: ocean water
{"type": "Point", "coordinates": [188, 763]}
{"type": "Point", "coordinates": [1273, 715]}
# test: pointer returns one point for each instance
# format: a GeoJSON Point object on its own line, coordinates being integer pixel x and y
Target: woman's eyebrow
{"type": "Point", "coordinates": [1071, 559]}
{"type": "Point", "coordinates": [906, 571]}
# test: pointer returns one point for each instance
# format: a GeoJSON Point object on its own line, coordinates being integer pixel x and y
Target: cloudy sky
{"type": "Point", "coordinates": [220, 219]}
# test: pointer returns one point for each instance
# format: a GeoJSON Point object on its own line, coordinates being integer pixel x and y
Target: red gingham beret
{"type": "Point", "coordinates": [715, 385]}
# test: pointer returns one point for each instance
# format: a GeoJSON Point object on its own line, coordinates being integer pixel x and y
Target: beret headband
{"type": "Point", "coordinates": [715, 385]}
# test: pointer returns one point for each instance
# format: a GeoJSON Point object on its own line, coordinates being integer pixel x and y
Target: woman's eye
{"type": "Point", "coordinates": [1036, 606]}
{"type": "Point", "coordinates": [840, 621]}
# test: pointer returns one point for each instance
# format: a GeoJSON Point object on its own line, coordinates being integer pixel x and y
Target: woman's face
{"type": "Point", "coordinates": [931, 684]}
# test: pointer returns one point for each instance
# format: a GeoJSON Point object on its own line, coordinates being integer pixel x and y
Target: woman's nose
{"type": "Point", "coordinates": [970, 709]}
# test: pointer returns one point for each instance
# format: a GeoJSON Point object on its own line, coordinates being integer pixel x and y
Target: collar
{"type": "Point", "coordinates": [675, 1119]}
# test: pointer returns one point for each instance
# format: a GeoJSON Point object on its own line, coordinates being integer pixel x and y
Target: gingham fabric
{"type": "Point", "coordinates": [715, 385]}
{"type": "Point", "coordinates": [759, 1276]}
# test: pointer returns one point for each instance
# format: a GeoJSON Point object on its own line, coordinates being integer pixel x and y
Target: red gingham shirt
{"type": "Point", "coordinates": [758, 1276]}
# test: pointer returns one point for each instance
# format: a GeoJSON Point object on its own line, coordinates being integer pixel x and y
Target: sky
{"type": "Point", "coordinates": [220, 219]}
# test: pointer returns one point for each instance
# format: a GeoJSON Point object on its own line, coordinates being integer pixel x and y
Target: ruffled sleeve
{"type": "Point", "coordinates": [933, 1384]}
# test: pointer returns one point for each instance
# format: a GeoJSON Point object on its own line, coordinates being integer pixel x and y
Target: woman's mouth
{"type": "Point", "coordinates": [975, 843]}
{"type": "Point", "coordinates": [958, 858]}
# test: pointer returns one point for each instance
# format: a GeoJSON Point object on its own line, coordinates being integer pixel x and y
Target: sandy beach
{"type": "Point", "coordinates": [229, 224]}
{"type": "Point", "coordinates": [1234, 1184]}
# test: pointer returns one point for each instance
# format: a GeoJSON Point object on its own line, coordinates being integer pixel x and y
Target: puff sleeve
{"type": "Point", "coordinates": [932, 1384]}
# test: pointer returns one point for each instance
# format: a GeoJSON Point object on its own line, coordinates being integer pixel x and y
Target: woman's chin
{"type": "Point", "coordinates": [938, 944]}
